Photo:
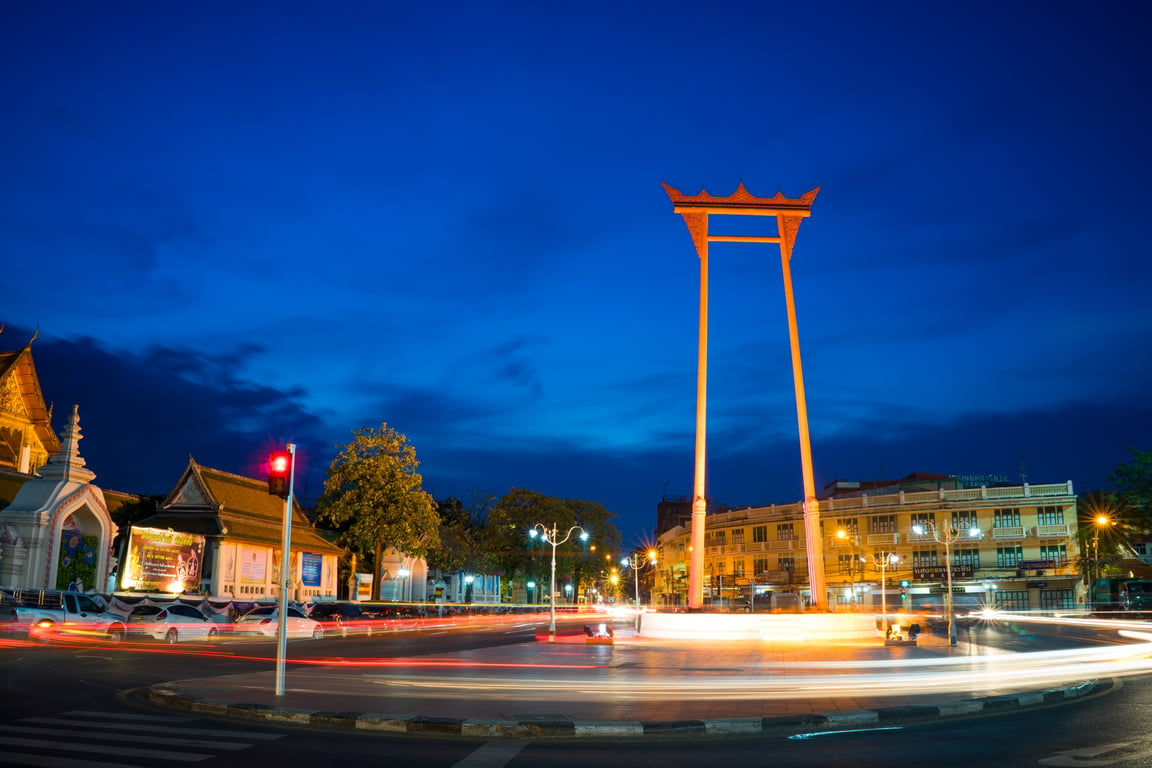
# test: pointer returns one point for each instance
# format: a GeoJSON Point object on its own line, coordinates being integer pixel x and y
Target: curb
{"type": "Point", "coordinates": [562, 727]}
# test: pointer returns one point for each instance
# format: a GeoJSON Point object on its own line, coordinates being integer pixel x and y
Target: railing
{"type": "Point", "coordinates": [782, 545]}
{"type": "Point", "coordinates": [958, 495]}
{"type": "Point", "coordinates": [880, 539]}
{"type": "Point", "coordinates": [1044, 531]}
{"type": "Point", "coordinates": [1010, 532]}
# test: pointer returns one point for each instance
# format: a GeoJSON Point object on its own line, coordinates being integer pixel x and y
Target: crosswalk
{"type": "Point", "coordinates": [83, 739]}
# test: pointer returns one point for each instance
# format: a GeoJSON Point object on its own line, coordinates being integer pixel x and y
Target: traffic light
{"type": "Point", "coordinates": [279, 470]}
{"type": "Point", "coordinates": [904, 589]}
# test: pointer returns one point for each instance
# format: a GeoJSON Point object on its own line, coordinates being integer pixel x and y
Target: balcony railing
{"type": "Point", "coordinates": [1047, 531]}
{"type": "Point", "coordinates": [1009, 532]}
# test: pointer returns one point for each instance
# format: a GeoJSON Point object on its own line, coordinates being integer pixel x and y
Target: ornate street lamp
{"type": "Point", "coordinates": [551, 536]}
{"type": "Point", "coordinates": [882, 559]}
{"type": "Point", "coordinates": [947, 537]}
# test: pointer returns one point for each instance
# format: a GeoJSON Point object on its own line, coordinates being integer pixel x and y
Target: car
{"type": "Point", "coordinates": [342, 618]}
{"type": "Point", "coordinates": [265, 620]}
{"type": "Point", "coordinates": [170, 623]}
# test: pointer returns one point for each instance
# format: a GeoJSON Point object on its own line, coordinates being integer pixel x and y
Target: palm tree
{"type": "Point", "coordinates": [1105, 529]}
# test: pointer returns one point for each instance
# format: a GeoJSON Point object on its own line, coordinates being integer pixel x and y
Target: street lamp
{"type": "Point", "coordinates": [843, 535]}
{"type": "Point", "coordinates": [947, 537]}
{"type": "Point", "coordinates": [1100, 522]}
{"type": "Point", "coordinates": [630, 562]}
{"type": "Point", "coordinates": [882, 559]}
{"type": "Point", "coordinates": [551, 536]}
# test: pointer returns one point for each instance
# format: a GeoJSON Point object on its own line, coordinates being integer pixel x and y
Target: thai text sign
{"type": "Point", "coordinates": [311, 569]}
{"type": "Point", "coordinates": [163, 560]}
{"type": "Point", "coordinates": [940, 572]}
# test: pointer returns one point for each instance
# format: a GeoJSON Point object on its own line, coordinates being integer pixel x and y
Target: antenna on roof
{"type": "Point", "coordinates": [1023, 472]}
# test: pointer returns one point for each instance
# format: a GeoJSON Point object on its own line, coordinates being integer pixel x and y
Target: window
{"type": "Point", "coordinates": [1009, 557]}
{"type": "Point", "coordinates": [785, 532]}
{"type": "Point", "coordinates": [738, 537]}
{"type": "Point", "coordinates": [848, 525]}
{"type": "Point", "coordinates": [719, 568]}
{"type": "Point", "coordinates": [966, 557]}
{"type": "Point", "coordinates": [759, 566]}
{"type": "Point", "coordinates": [926, 519]}
{"type": "Point", "coordinates": [1007, 600]}
{"type": "Point", "coordinates": [1056, 599]}
{"type": "Point", "coordinates": [719, 538]}
{"type": "Point", "coordinates": [1006, 518]}
{"type": "Point", "coordinates": [738, 567]}
{"type": "Point", "coordinates": [787, 563]}
{"type": "Point", "coordinates": [848, 564]}
{"type": "Point", "coordinates": [760, 534]}
{"type": "Point", "coordinates": [1057, 553]}
{"type": "Point", "coordinates": [924, 558]}
{"type": "Point", "coordinates": [882, 524]}
{"type": "Point", "coordinates": [1050, 516]}
{"type": "Point", "coordinates": [963, 520]}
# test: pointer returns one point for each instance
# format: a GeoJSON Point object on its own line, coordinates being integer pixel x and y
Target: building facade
{"type": "Point", "coordinates": [1015, 549]}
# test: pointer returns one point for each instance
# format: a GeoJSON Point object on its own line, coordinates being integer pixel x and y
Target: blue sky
{"type": "Point", "coordinates": [241, 224]}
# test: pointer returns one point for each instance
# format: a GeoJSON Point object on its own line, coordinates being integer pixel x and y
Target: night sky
{"type": "Point", "coordinates": [242, 224]}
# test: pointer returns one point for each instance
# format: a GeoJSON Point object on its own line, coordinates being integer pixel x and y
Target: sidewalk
{"type": "Point", "coordinates": [634, 687]}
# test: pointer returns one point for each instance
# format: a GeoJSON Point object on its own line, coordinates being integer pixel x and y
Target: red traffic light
{"type": "Point", "coordinates": [279, 471]}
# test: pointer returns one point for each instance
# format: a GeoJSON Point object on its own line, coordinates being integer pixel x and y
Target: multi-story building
{"type": "Point", "coordinates": [1015, 548]}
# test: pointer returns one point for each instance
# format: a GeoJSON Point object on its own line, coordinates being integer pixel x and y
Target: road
{"type": "Point", "coordinates": [79, 708]}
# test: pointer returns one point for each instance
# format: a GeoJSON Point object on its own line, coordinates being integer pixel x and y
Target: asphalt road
{"type": "Point", "coordinates": [79, 708]}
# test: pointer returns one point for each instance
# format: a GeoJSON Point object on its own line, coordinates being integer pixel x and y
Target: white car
{"type": "Point", "coordinates": [171, 623]}
{"type": "Point", "coordinates": [265, 620]}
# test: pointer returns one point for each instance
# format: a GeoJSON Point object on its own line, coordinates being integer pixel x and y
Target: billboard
{"type": "Point", "coordinates": [312, 569]}
{"type": "Point", "coordinates": [163, 561]}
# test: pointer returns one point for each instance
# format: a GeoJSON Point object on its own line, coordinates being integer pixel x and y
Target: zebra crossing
{"type": "Point", "coordinates": [86, 739]}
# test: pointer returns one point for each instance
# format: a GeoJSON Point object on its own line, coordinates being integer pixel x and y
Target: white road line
{"type": "Point", "coordinates": [110, 750]}
{"type": "Point", "coordinates": [136, 738]}
{"type": "Point", "coordinates": [74, 724]}
{"type": "Point", "coordinates": [492, 754]}
{"type": "Point", "coordinates": [51, 761]}
{"type": "Point", "coordinates": [130, 716]}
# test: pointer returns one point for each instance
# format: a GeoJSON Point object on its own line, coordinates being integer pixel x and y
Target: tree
{"type": "Point", "coordinates": [461, 547]}
{"type": "Point", "coordinates": [1104, 529]}
{"type": "Point", "coordinates": [1134, 482]}
{"type": "Point", "coordinates": [373, 497]}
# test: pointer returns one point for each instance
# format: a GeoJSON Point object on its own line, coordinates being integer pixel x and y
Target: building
{"type": "Point", "coordinates": [26, 435]}
{"type": "Point", "coordinates": [220, 534]}
{"type": "Point", "coordinates": [1016, 549]}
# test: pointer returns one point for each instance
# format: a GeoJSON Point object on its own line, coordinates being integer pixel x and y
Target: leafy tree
{"type": "Point", "coordinates": [1134, 482]}
{"type": "Point", "coordinates": [373, 497]}
{"type": "Point", "coordinates": [515, 554]}
{"type": "Point", "coordinates": [462, 528]}
{"type": "Point", "coordinates": [1104, 531]}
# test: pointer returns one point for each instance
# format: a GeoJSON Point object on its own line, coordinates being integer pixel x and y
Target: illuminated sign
{"type": "Point", "coordinates": [163, 561]}
{"type": "Point", "coordinates": [253, 564]}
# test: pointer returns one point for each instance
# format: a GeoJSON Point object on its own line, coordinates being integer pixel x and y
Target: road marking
{"type": "Point", "coordinates": [49, 761]}
{"type": "Point", "coordinates": [136, 737]}
{"type": "Point", "coordinates": [110, 750]}
{"type": "Point", "coordinates": [492, 754]}
{"type": "Point", "coordinates": [850, 730]}
{"type": "Point", "coordinates": [129, 716]}
{"type": "Point", "coordinates": [1085, 757]}
{"type": "Point", "coordinates": [153, 728]}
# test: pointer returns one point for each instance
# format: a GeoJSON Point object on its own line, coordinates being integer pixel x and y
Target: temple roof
{"type": "Point", "coordinates": [19, 365]}
{"type": "Point", "coordinates": [212, 502]}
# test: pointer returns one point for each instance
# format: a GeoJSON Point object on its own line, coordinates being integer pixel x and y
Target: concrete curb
{"type": "Point", "coordinates": [563, 727]}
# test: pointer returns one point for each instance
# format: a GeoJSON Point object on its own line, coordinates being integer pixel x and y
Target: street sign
{"type": "Point", "coordinates": [944, 590]}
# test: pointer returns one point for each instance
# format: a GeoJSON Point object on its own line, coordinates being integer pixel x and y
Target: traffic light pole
{"type": "Point", "coordinates": [285, 575]}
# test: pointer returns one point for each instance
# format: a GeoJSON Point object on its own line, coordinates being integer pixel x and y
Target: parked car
{"type": "Point", "coordinates": [342, 618]}
{"type": "Point", "coordinates": [47, 613]}
{"type": "Point", "coordinates": [265, 620]}
{"type": "Point", "coordinates": [170, 623]}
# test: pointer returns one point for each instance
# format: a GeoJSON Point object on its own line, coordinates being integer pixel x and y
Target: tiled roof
{"type": "Point", "coordinates": [207, 499]}
{"type": "Point", "coordinates": [19, 363]}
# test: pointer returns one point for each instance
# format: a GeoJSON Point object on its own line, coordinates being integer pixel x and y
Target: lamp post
{"type": "Point", "coordinates": [947, 537]}
{"type": "Point", "coordinates": [551, 536]}
{"type": "Point", "coordinates": [883, 559]}
{"type": "Point", "coordinates": [843, 535]}
{"type": "Point", "coordinates": [1097, 524]}
{"type": "Point", "coordinates": [630, 562]}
